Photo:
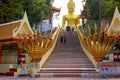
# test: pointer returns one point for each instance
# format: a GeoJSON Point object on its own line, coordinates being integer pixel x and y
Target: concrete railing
{"type": "Point", "coordinates": [81, 38]}
{"type": "Point", "coordinates": [48, 53]}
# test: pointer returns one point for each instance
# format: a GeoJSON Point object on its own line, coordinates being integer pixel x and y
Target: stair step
{"type": "Point", "coordinates": [68, 53]}
{"type": "Point", "coordinates": [73, 72]}
{"type": "Point", "coordinates": [68, 71]}
{"type": "Point", "coordinates": [67, 59]}
{"type": "Point", "coordinates": [69, 56]}
{"type": "Point", "coordinates": [57, 75]}
{"type": "Point", "coordinates": [70, 59]}
{"type": "Point", "coordinates": [82, 75]}
{"type": "Point", "coordinates": [67, 68]}
{"type": "Point", "coordinates": [70, 64]}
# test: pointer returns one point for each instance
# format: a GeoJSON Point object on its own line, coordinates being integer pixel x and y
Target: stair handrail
{"type": "Point", "coordinates": [81, 40]}
{"type": "Point", "coordinates": [48, 53]}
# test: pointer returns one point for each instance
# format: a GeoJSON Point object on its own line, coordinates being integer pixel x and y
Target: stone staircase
{"type": "Point", "coordinates": [68, 60]}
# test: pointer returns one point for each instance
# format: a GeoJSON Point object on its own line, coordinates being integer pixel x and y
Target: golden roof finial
{"type": "Point", "coordinates": [71, 2]}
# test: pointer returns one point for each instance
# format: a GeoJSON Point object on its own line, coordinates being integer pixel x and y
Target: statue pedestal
{"type": "Point", "coordinates": [97, 67]}
{"type": "Point", "coordinates": [97, 59]}
{"type": "Point", "coordinates": [37, 66]}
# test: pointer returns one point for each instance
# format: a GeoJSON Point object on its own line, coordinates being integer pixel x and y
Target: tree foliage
{"type": "Point", "coordinates": [37, 10]}
{"type": "Point", "coordinates": [107, 8]}
{"type": "Point", "coordinates": [107, 11]}
{"type": "Point", "coordinates": [92, 6]}
{"type": "Point", "coordinates": [10, 10]}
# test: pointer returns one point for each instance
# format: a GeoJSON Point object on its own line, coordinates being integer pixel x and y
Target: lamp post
{"type": "Point", "coordinates": [46, 4]}
{"type": "Point", "coordinates": [42, 12]}
{"type": "Point", "coordinates": [100, 13]}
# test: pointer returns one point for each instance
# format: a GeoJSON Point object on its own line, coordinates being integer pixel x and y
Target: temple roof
{"type": "Point", "coordinates": [6, 30]}
{"type": "Point", "coordinates": [11, 30]}
{"type": "Point", "coordinates": [115, 24]}
{"type": "Point", "coordinates": [55, 9]}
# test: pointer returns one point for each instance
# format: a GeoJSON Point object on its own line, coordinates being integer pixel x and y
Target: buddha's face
{"type": "Point", "coordinates": [71, 7]}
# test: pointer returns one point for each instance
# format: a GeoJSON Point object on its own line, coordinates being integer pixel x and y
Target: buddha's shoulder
{"type": "Point", "coordinates": [65, 15]}
{"type": "Point", "coordinates": [76, 15]}
{"type": "Point", "coordinates": [68, 15]}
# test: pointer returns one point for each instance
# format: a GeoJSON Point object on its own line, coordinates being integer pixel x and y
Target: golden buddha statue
{"type": "Point", "coordinates": [72, 20]}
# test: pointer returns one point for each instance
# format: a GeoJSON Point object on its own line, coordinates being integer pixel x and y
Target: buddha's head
{"type": "Point", "coordinates": [71, 6]}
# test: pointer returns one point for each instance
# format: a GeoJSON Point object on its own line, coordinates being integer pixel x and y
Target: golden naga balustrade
{"type": "Point", "coordinates": [35, 45]}
{"type": "Point", "coordinates": [100, 43]}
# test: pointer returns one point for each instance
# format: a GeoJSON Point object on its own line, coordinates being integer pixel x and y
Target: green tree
{"type": "Point", "coordinates": [37, 10]}
{"type": "Point", "coordinates": [93, 9]}
{"type": "Point", "coordinates": [10, 10]}
{"type": "Point", "coordinates": [108, 7]}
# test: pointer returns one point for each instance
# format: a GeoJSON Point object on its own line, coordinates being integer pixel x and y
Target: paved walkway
{"type": "Point", "coordinates": [56, 78]}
